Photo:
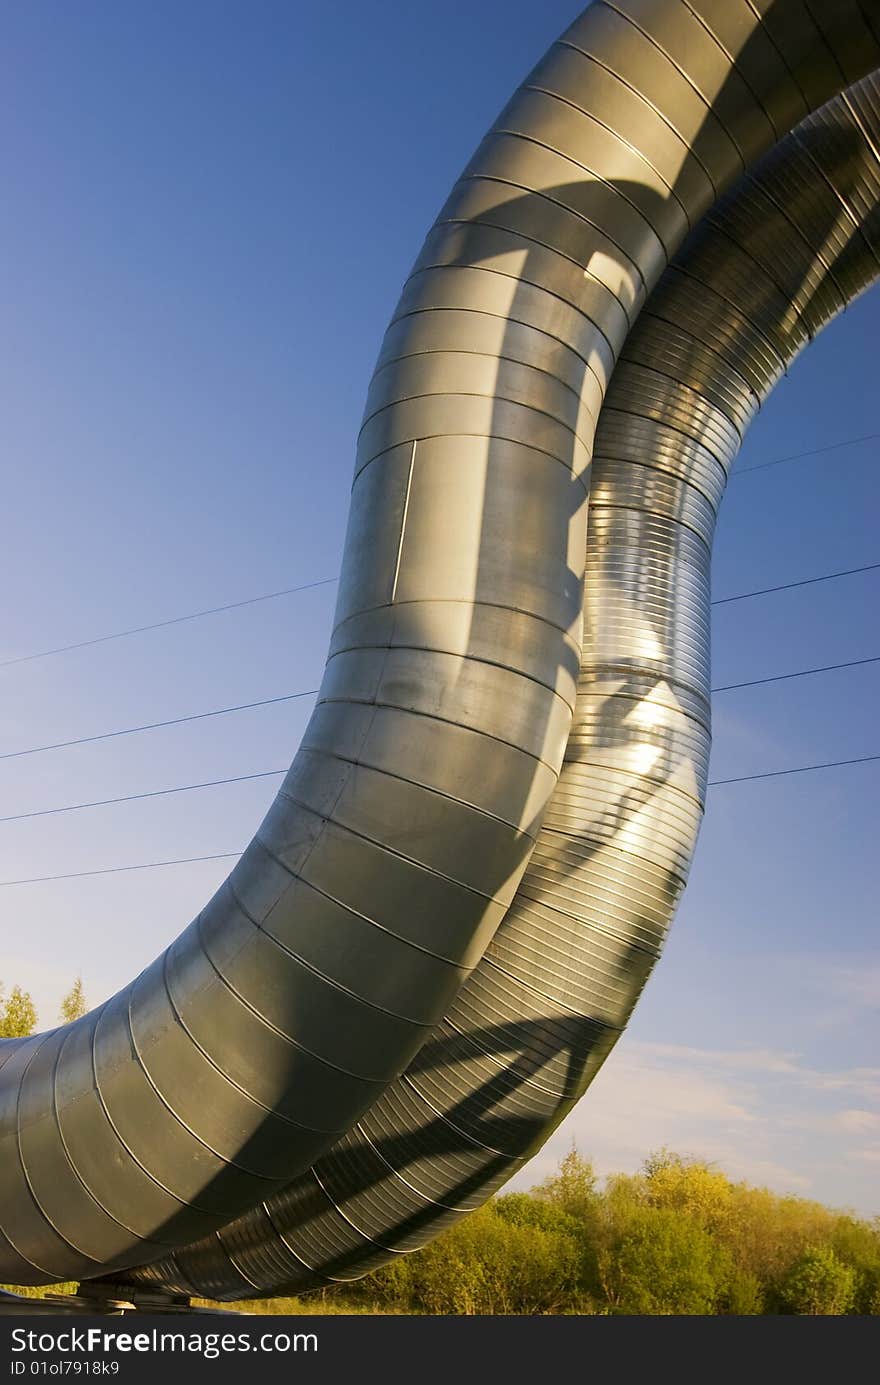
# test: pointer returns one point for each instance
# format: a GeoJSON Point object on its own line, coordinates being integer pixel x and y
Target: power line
{"type": "Point", "coordinates": [789, 586]}
{"type": "Point", "coordinates": [163, 624]}
{"type": "Point", "coordinates": [224, 855]}
{"type": "Point", "coordinates": [801, 673]}
{"type": "Point", "coordinates": [269, 773]}
{"type": "Point", "coordinates": [328, 581]}
{"type": "Point", "coordinates": [117, 870]}
{"type": "Point", "coordinates": [798, 769]}
{"type": "Point", "coordinates": [797, 456]}
{"type": "Point", "coordinates": [156, 725]}
{"type": "Point", "coordinates": [133, 797]}
{"type": "Point", "coordinates": [311, 692]}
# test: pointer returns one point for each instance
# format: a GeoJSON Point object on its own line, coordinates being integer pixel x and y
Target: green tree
{"type": "Point", "coordinates": [766, 1233]}
{"type": "Point", "coordinates": [574, 1192]}
{"type": "Point", "coordinates": [74, 1003]}
{"type": "Point", "coordinates": [663, 1263]}
{"type": "Point", "coordinates": [18, 1014]}
{"type": "Point", "coordinates": [689, 1187]}
{"type": "Point", "coordinates": [857, 1244]}
{"type": "Point", "coordinates": [489, 1263]}
{"type": "Point", "coordinates": [818, 1284]}
{"type": "Point", "coordinates": [742, 1295]}
{"type": "Point", "coordinates": [573, 1188]}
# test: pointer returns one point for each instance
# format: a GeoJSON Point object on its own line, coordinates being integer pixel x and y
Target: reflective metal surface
{"type": "Point", "coordinates": [557, 983]}
{"type": "Point", "coordinates": [271, 1030]}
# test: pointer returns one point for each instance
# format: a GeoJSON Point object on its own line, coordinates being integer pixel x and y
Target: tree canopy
{"type": "Point", "coordinates": [678, 1237]}
{"type": "Point", "coordinates": [74, 1004]}
{"type": "Point", "coordinates": [18, 1014]}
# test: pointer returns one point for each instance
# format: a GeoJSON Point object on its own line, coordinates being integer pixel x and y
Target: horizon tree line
{"type": "Point", "coordinates": [18, 1013]}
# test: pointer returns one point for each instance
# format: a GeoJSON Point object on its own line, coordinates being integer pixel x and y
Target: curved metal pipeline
{"type": "Point", "coordinates": [794, 242]}
{"type": "Point", "coordinates": [402, 830]}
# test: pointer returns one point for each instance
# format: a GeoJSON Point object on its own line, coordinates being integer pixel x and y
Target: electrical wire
{"type": "Point", "coordinates": [798, 456]}
{"type": "Point", "coordinates": [163, 624]}
{"type": "Point", "coordinates": [311, 692]}
{"type": "Point", "coordinates": [801, 673]}
{"type": "Point", "coordinates": [797, 769]}
{"type": "Point", "coordinates": [328, 581]}
{"type": "Point", "coordinates": [270, 773]}
{"type": "Point", "coordinates": [790, 586]}
{"type": "Point", "coordinates": [118, 870]}
{"type": "Point", "coordinates": [153, 793]}
{"type": "Point", "coordinates": [223, 855]}
{"type": "Point", "coordinates": [156, 725]}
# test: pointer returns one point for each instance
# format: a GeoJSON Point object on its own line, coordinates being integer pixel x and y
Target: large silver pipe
{"type": "Point", "coordinates": [792, 244]}
{"type": "Point", "coordinates": [401, 832]}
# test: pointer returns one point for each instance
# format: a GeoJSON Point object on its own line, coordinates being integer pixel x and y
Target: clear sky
{"type": "Point", "coordinates": [208, 212]}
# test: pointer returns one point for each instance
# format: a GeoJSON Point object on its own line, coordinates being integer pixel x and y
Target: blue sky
{"type": "Point", "coordinates": [208, 214]}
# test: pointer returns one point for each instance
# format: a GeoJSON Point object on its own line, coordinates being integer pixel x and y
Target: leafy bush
{"type": "Point", "coordinates": [818, 1283]}
{"type": "Point", "coordinates": [663, 1263]}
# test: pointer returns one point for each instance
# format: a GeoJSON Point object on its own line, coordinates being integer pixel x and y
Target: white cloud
{"type": "Point", "coordinates": [760, 1114]}
{"type": "Point", "coordinates": [858, 1122]}
{"type": "Point", "coordinates": [859, 986]}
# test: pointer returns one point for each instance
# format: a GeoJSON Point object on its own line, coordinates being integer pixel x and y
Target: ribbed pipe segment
{"type": "Point", "coordinates": [762, 273]}
{"type": "Point", "coordinates": [283, 1017]}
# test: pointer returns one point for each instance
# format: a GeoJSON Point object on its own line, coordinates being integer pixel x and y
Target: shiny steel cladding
{"type": "Point", "coordinates": [617, 145]}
